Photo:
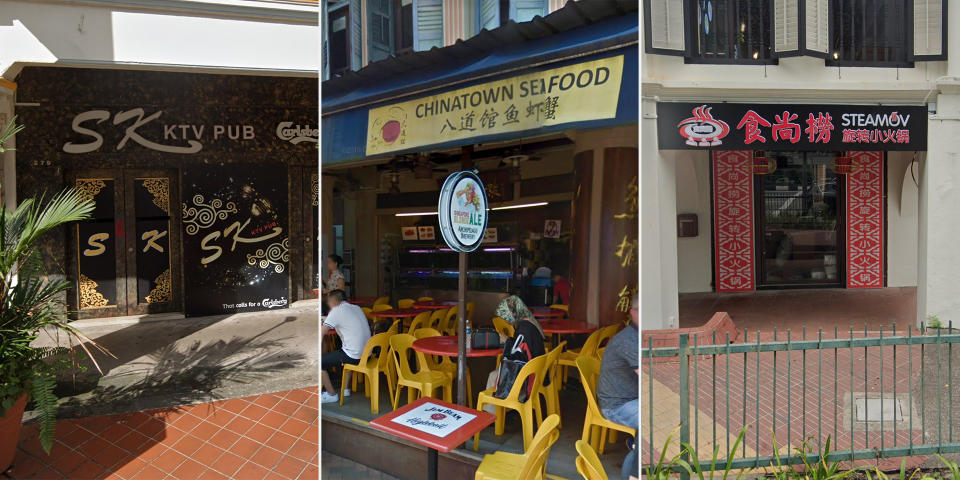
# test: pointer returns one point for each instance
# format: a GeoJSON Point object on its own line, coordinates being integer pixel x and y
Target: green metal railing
{"type": "Point", "coordinates": [763, 367]}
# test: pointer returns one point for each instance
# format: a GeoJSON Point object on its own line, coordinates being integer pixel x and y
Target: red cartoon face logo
{"type": "Point", "coordinates": [391, 131]}
{"type": "Point", "coordinates": [438, 416]}
{"type": "Point", "coordinates": [702, 129]}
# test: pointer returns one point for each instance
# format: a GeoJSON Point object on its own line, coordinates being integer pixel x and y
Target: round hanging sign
{"type": "Point", "coordinates": [463, 211]}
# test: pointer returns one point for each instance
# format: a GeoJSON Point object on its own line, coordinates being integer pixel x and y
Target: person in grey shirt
{"type": "Point", "coordinates": [618, 388]}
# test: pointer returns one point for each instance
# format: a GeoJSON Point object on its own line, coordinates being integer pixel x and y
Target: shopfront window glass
{"type": "Point", "coordinates": [799, 220]}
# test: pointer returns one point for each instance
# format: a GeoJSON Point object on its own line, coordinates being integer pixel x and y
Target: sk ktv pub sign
{"type": "Point", "coordinates": [462, 210]}
{"type": "Point", "coordinates": [737, 126]}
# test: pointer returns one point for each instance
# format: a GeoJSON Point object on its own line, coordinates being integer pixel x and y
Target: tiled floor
{"type": "Point", "coordinates": [339, 468]}
{"type": "Point", "coordinates": [814, 308]}
{"type": "Point", "coordinates": [270, 436]}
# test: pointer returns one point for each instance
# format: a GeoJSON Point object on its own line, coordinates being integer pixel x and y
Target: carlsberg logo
{"type": "Point", "coordinates": [296, 134]}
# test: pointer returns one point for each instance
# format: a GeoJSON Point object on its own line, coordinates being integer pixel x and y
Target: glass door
{"type": "Point", "coordinates": [800, 221]}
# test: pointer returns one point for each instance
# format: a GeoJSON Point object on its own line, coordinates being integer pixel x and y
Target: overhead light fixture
{"type": "Point", "coordinates": [522, 205]}
{"type": "Point", "coordinates": [414, 214]}
{"type": "Point", "coordinates": [394, 183]}
{"type": "Point", "coordinates": [422, 170]}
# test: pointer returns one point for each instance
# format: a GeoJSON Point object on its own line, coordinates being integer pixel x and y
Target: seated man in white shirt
{"type": "Point", "coordinates": [351, 326]}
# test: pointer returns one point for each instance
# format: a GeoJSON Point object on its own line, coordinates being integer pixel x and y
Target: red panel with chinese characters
{"type": "Point", "coordinates": [733, 220]}
{"type": "Point", "coordinates": [865, 221]}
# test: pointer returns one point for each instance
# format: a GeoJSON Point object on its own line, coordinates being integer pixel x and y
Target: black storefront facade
{"type": "Point", "coordinates": [206, 187]}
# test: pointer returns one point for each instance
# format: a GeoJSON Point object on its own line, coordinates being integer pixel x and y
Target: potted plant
{"type": "Point", "coordinates": [30, 304]}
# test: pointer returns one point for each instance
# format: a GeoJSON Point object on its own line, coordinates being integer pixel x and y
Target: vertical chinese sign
{"type": "Point", "coordinates": [235, 242]}
{"type": "Point", "coordinates": [733, 220]}
{"type": "Point", "coordinates": [619, 251]}
{"type": "Point", "coordinates": [865, 221]}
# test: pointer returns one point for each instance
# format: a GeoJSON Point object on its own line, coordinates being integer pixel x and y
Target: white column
{"type": "Point", "coordinates": [8, 176]}
{"type": "Point", "coordinates": [939, 195]}
{"type": "Point", "coordinates": [659, 301]}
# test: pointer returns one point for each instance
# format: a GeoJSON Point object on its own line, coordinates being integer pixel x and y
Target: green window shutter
{"type": "Point", "coordinates": [525, 10]}
{"type": "Point", "coordinates": [489, 14]}
{"type": "Point", "coordinates": [928, 31]}
{"type": "Point", "coordinates": [428, 18]}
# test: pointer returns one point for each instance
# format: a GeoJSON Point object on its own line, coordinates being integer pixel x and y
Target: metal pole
{"type": "Point", "coordinates": [461, 332]}
{"type": "Point", "coordinates": [683, 345]}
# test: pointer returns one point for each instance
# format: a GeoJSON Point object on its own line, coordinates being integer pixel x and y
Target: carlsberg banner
{"type": "Point", "coordinates": [574, 93]}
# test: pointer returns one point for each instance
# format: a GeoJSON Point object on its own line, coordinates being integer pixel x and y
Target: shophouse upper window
{"type": "Point", "coordinates": [396, 27]}
{"type": "Point", "coordinates": [495, 13]}
{"type": "Point", "coordinates": [881, 33]}
{"type": "Point", "coordinates": [869, 32]}
{"type": "Point", "coordinates": [339, 42]}
{"type": "Point", "coordinates": [731, 30]}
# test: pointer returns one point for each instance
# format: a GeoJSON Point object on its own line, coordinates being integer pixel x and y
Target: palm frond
{"type": "Point", "coordinates": [8, 132]}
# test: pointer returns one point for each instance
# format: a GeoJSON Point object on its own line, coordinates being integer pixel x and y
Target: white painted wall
{"type": "Point", "coordinates": [175, 34]}
{"type": "Point", "coordinates": [694, 260]}
{"type": "Point", "coordinates": [796, 79]}
{"type": "Point", "coordinates": [902, 218]}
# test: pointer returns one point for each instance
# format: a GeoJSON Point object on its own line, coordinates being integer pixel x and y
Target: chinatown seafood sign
{"type": "Point", "coordinates": [731, 126]}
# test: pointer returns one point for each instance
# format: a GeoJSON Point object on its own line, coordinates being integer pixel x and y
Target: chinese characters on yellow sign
{"type": "Point", "coordinates": [574, 93]}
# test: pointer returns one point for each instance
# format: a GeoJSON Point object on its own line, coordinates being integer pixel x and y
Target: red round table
{"type": "Point", "coordinates": [446, 346]}
{"type": "Point", "coordinates": [391, 423]}
{"type": "Point", "coordinates": [546, 312]}
{"type": "Point", "coordinates": [565, 326]}
{"type": "Point", "coordinates": [401, 313]}
{"type": "Point", "coordinates": [433, 305]}
{"type": "Point", "coordinates": [361, 300]}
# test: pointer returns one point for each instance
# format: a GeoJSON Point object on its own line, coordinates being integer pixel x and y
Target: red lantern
{"type": "Point", "coordinates": [844, 165]}
{"type": "Point", "coordinates": [763, 165]}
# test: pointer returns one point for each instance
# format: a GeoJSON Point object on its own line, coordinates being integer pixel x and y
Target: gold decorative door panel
{"type": "Point", "coordinates": [127, 256]}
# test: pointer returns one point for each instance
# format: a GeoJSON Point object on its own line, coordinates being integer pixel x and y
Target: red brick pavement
{"type": "Point", "coordinates": [803, 399]}
{"type": "Point", "coordinates": [270, 436]}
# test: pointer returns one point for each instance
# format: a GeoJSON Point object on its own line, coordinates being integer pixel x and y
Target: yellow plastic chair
{"type": "Point", "coordinates": [394, 327]}
{"type": "Point", "coordinates": [530, 465]}
{"type": "Point", "coordinates": [381, 307]}
{"type": "Point", "coordinates": [424, 333]}
{"type": "Point", "coordinates": [381, 301]}
{"type": "Point", "coordinates": [366, 313]}
{"type": "Point", "coordinates": [405, 303]}
{"type": "Point", "coordinates": [425, 299]}
{"type": "Point", "coordinates": [594, 424]}
{"type": "Point", "coordinates": [588, 463]}
{"type": "Point", "coordinates": [471, 306]}
{"type": "Point", "coordinates": [437, 317]}
{"type": "Point", "coordinates": [551, 392]}
{"type": "Point", "coordinates": [420, 321]}
{"type": "Point", "coordinates": [533, 368]}
{"type": "Point", "coordinates": [369, 369]}
{"type": "Point", "coordinates": [503, 328]}
{"type": "Point", "coordinates": [560, 306]}
{"type": "Point", "coordinates": [569, 358]}
{"type": "Point", "coordinates": [441, 363]}
{"type": "Point", "coordinates": [425, 381]}
{"type": "Point", "coordinates": [450, 322]}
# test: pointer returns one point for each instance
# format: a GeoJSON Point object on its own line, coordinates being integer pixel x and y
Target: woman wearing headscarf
{"type": "Point", "coordinates": [515, 312]}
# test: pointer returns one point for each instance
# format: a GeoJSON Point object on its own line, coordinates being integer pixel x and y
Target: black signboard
{"type": "Point", "coordinates": [235, 238]}
{"type": "Point", "coordinates": [733, 126]}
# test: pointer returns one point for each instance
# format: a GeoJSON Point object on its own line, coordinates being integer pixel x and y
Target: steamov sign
{"type": "Point", "coordinates": [731, 126]}
{"type": "Point", "coordinates": [462, 211]}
